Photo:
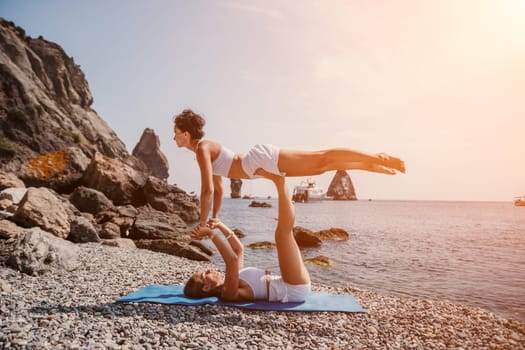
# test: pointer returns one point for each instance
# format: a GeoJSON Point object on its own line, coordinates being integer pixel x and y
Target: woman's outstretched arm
{"type": "Point", "coordinates": [207, 188]}
{"type": "Point", "coordinates": [218, 193]}
{"type": "Point", "coordinates": [232, 239]}
{"type": "Point", "coordinates": [230, 257]}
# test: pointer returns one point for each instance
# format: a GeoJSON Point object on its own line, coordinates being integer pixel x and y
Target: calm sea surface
{"type": "Point", "coordinates": [467, 252]}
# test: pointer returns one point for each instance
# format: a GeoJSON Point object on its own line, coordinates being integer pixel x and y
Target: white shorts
{"type": "Point", "coordinates": [261, 156]}
{"type": "Point", "coordinates": [288, 293]}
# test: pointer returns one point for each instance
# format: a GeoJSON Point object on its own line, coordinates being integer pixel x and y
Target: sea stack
{"type": "Point", "coordinates": [341, 187]}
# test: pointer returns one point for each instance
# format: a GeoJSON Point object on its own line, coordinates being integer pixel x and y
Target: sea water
{"type": "Point", "coordinates": [471, 253]}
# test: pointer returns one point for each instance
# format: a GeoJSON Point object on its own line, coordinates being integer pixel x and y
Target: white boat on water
{"type": "Point", "coordinates": [519, 201]}
{"type": "Point", "coordinates": [308, 191]}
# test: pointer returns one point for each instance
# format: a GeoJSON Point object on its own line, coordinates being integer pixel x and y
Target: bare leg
{"type": "Point", "coordinates": [304, 163]}
{"type": "Point", "coordinates": [291, 262]}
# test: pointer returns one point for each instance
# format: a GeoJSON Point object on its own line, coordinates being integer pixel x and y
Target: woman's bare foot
{"type": "Point", "coordinates": [391, 162]}
{"type": "Point", "coordinates": [382, 169]}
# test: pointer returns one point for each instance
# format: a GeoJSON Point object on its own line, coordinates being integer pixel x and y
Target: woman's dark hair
{"type": "Point", "coordinates": [193, 289]}
{"type": "Point", "coordinates": [191, 122]}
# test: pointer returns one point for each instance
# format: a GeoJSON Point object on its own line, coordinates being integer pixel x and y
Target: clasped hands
{"type": "Point", "coordinates": [202, 232]}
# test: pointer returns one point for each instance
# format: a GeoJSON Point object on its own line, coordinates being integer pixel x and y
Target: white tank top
{"type": "Point", "coordinates": [256, 279]}
{"type": "Point", "coordinates": [222, 164]}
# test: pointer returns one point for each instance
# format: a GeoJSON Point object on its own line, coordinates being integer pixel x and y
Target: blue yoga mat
{"type": "Point", "coordinates": [172, 294]}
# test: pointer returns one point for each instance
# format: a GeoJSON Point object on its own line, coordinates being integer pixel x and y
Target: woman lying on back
{"type": "Point", "coordinates": [250, 283]}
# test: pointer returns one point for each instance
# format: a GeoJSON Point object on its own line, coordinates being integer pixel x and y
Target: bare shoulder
{"type": "Point", "coordinates": [208, 147]}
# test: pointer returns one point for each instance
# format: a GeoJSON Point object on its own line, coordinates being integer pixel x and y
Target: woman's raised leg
{"type": "Point", "coordinates": [305, 163]}
{"type": "Point", "coordinates": [291, 262]}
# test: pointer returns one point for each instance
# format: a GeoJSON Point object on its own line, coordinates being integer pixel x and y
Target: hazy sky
{"type": "Point", "coordinates": [440, 84]}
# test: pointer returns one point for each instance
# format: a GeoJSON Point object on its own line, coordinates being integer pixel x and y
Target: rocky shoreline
{"type": "Point", "coordinates": [77, 310]}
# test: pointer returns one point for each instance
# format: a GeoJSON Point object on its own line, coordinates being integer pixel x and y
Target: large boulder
{"type": "Point", "coordinates": [341, 187]}
{"type": "Point", "coordinates": [170, 199]}
{"type": "Point", "coordinates": [14, 195]}
{"type": "Point", "coordinates": [148, 150]}
{"type": "Point", "coordinates": [174, 247]}
{"type": "Point", "coordinates": [43, 208]}
{"type": "Point", "coordinates": [117, 180]}
{"type": "Point", "coordinates": [83, 231]}
{"type": "Point", "coordinates": [89, 200]}
{"type": "Point", "coordinates": [256, 204]}
{"type": "Point", "coordinates": [153, 224]}
{"type": "Point", "coordinates": [110, 230]}
{"type": "Point", "coordinates": [202, 247]}
{"type": "Point", "coordinates": [239, 233]}
{"type": "Point", "coordinates": [305, 238]}
{"type": "Point", "coordinates": [8, 180]}
{"type": "Point", "coordinates": [37, 251]}
{"type": "Point", "coordinates": [62, 170]}
{"type": "Point", "coordinates": [9, 229]}
{"type": "Point", "coordinates": [117, 222]}
{"type": "Point", "coordinates": [333, 234]}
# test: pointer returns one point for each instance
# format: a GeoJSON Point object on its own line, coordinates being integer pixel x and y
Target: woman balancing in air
{"type": "Point", "coordinates": [216, 161]}
{"type": "Point", "coordinates": [248, 284]}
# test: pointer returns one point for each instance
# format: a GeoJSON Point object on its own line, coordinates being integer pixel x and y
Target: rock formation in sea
{"type": "Point", "coordinates": [341, 187]}
{"type": "Point", "coordinates": [148, 150]}
{"type": "Point", "coordinates": [64, 173]}
{"type": "Point", "coordinates": [256, 204]}
{"type": "Point", "coordinates": [235, 187]}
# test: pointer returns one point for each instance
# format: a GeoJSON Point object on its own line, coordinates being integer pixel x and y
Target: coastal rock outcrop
{"type": "Point", "coordinates": [173, 247]}
{"type": "Point", "coordinates": [262, 245]}
{"type": "Point", "coordinates": [10, 180]}
{"type": "Point", "coordinates": [235, 187]}
{"type": "Point", "coordinates": [168, 198]}
{"type": "Point", "coordinates": [320, 260]}
{"type": "Point", "coordinates": [83, 231]}
{"type": "Point", "coordinates": [152, 224]}
{"type": "Point", "coordinates": [148, 150]}
{"type": "Point", "coordinates": [9, 229]}
{"type": "Point", "coordinates": [341, 187]}
{"type": "Point", "coordinates": [82, 184]}
{"type": "Point", "coordinates": [256, 204]}
{"type": "Point", "coordinates": [13, 195]}
{"type": "Point", "coordinates": [45, 103]}
{"type": "Point", "coordinates": [239, 233]}
{"type": "Point", "coordinates": [118, 181]}
{"type": "Point", "coordinates": [45, 209]}
{"type": "Point", "coordinates": [62, 170]}
{"type": "Point", "coordinates": [89, 200]}
{"type": "Point", "coordinates": [37, 250]}
{"type": "Point", "coordinates": [305, 238]}
{"type": "Point", "coordinates": [333, 234]}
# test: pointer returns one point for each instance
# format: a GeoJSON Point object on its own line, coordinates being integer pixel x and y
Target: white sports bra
{"type": "Point", "coordinates": [222, 164]}
{"type": "Point", "coordinates": [256, 278]}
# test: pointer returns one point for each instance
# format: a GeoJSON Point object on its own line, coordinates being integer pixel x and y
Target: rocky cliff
{"type": "Point", "coordinates": [341, 187]}
{"type": "Point", "coordinates": [45, 103]}
{"type": "Point", "coordinates": [64, 172]}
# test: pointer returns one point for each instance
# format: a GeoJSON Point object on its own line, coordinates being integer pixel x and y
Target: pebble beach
{"type": "Point", "coordinates": [77, 310]}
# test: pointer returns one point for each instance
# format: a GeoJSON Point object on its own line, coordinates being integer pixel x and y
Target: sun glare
{"type": "Point", "coordinates": [513, 15]}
